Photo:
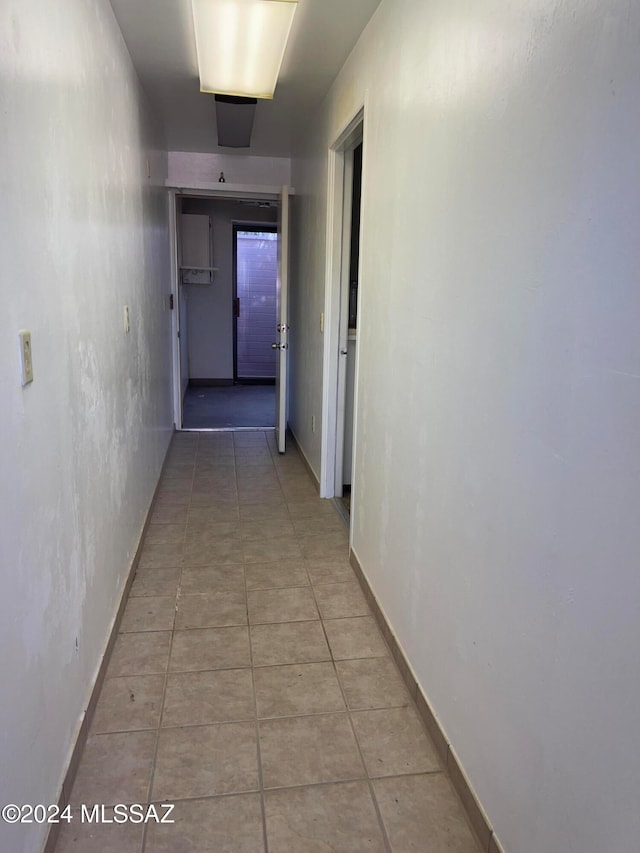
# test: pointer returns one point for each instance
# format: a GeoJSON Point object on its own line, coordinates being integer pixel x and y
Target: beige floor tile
{"type": "Point", "coordinates": [165, 496]}
{"type": "Point", "coordinates": [128, 703]}
{"type": "Point", "coordinates": [250, 513]}
{"type": "Point", "coordinates": [206, 580]}
{"type": "Point", "coordinates": [210, 648]}
{"type": "Point", "coordinates": [217, 486]}
{"type": "Point", "coordinates": [180, 470]}
{"type": "Point", "coordinates": [393, 742]}
{"type": "Point", "coordinates": [281, 605]}
{"type": "Point", "coordinates": [219, 551]}
{"type": "Point", "coordinates": [253, 455]}
{"type": "Point", "coordinates": [310, 507]}
{"type": "Point", "coordinates": [84, 837]}
{"type": "Point", "coordinates": [115, 768]}
{"type": "Point", "coordinates": [200, 698]}
{"type": "Point", "coordinates": [161, 556]}
{"type": "Point", "coordinates": [169, 513]}
{"type": "Point", "coordinates": [340, 818]}
{"type": "Point", "coordinates": [150, 613]}
{"type": "Point", "coordinates": [271, 550]}
{"type": "Point", "coordinates": [298, 490]}
{"type": "Point", "coordinates": [214, 501]}
{"type": "Point", "coordinates": [271, 528]}
{"type": "Point", "coordinates": [259, 476]}
{"type": "Point", "coordinates": [423, 813]}
{"type": "Point", "coordinates": [211, 529]}
{"type": "Point", "coordinates": [326, 545]}
{"type": "Point", "coordinates": [200, 516]}
{"type": "Point", "coordinates": [372, 683]}
{"type": "Point", "coordinates": [320, 525]}
{"type": "Point", "coordinates": [216, 610]}
{"type": "Point", "coordinates": [140, 654]}
{"type": "Point", "coordinates": [306, 750]}
{"type": "Point", "coordinates": [271, 498]}
{"type": "Point", "coordinates": [295, 689]}
{"type": "Point", "coordinates": [256, 492]}
{"type": "Point", "coordinates": [200, 761]}
{"type": "Point", "coordinates": [355, 638]}
{"type": "Point", "coordinates": [288, 642]}
{"type": "Point", "coordinates": [278, 575]}
{"type": "Point", "coordinates": [341, 600]}
{"type": "Point", "coordinates": [331, 570]}
{"type": "Point", "coordinates": [218, 825]}
{"type": "Point", "coordinates": [175, 484]}
{"type": "Point", "coordinates": [209, 535]}
{"type": "Point", "coordinates": [164, 534]}
{"type": "Point", "coordinates": [155, 582]}
{"type": "Point", "coordinates": [219, 480]}
{"type": "Point", "coordinates": [261, 461]}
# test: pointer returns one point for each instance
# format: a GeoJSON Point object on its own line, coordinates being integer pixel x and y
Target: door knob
{"type": "Point", "coordinates": [274, 346]}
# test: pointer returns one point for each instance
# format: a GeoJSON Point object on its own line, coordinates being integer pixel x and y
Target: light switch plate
{"type": "Point", "coordinates": [26, 361]}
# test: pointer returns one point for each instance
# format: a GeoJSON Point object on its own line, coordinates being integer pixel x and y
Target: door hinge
{"type": "Point", "coordinates": [171, 302]}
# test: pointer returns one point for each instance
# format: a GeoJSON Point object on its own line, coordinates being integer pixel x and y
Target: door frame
{"type": "Point", "coordinates": [175, 318]}
{"type": "Point", "coordinates": [339, 196]}
{"type": "Point", "coordinates": [227, 192]}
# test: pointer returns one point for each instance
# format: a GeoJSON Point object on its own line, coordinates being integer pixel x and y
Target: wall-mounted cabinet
{"type": "Point", "coordinates": [196, 249]}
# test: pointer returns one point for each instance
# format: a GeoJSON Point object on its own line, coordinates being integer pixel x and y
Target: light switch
{"type": "Point", "coordinates": [127, 324]}
{"type": "Point", "coordinates": [26, 362]}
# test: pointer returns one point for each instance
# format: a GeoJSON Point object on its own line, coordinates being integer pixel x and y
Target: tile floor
{"type": "Point", "coordinates": [250, 685]}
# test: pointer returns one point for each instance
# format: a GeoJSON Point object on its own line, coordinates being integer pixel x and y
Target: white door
{"type": "Point", "coordinates": [282, 329]}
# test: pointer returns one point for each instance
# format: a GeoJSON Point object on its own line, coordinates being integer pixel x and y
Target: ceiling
{"type": "Point", "coordinates": [159, 36]}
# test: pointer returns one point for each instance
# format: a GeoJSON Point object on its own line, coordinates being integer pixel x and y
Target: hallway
{"type": "Point", "coordinates": [249, 684]}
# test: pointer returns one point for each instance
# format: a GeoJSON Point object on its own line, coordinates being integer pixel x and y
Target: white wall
{"type": "Point", "coordinates": [84, 232]}
{"type": "Point", "coordinates": [497, 482]}
{"type": "Point", "coordinates": [188, 169]}
{"type": "Point", "coordinates": [210, 308]}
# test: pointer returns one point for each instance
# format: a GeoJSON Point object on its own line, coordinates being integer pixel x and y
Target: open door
{"type": "Point", "coordinates": [282, 329]}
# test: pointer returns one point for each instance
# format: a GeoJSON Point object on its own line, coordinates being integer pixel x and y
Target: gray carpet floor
{"type": "Point", "coordinates": [229, 406]}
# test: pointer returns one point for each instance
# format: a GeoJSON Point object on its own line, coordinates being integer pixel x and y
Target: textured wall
{"type": "Point", "coordinates": [497, 480]}
{"type": "Point", "coordinates": [84, 232]}
{"type": "Point", "coordinates": [187, 169]}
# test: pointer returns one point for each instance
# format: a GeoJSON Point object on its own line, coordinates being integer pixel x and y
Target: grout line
{"type": "Point", "coordinates": [166, 674]}
{"type": "Point", "coordinates": [374, 800]}
{"type": "Point", "coordinates": [350, 721]}
{"type": "Point", "coordinates": [255, 705]}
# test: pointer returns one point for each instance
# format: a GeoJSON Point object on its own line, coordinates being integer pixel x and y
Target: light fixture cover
{"type": "Point", "coordinates": [240, 44]}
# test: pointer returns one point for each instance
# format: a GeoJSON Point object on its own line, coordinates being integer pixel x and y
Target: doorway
{"type": "Point", "coordinates": [342, 302]}
{"type": "Point", "coordinates": [222, 386]}
{"type": "Point", "coordinates": [204, 353]}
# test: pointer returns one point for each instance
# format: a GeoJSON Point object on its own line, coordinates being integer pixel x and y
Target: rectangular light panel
{"type": "Point", "coordinates": [240, 44]}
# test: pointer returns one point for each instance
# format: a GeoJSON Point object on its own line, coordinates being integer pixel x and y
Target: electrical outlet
{"type": "Point", "coordinates": [26, 362]}
{"type": "Point", "coordinates": [127, 323]}
{"type": "Point", "coordinates": [313, 423]}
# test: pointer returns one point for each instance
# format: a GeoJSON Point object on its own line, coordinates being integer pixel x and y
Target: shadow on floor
{"type": "Point", "coordinates": [229, 406]}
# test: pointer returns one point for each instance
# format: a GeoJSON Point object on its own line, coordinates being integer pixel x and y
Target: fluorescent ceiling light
{"type": "Point", "coordinates": [240, 44]}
